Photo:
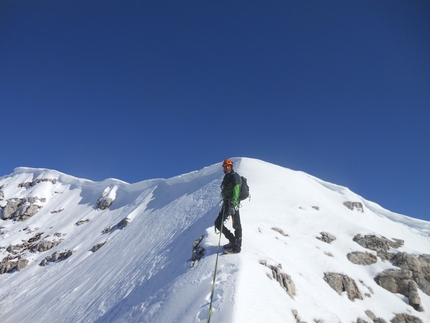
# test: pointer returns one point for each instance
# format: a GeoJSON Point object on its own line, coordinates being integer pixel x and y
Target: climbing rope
{"type": "Point", "coordinates": [216, 268]}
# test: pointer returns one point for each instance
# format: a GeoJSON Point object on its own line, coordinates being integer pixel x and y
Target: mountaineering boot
{"type": "Point", "coordinates": [237, 245]}
{"type": "Point", "coordinates": [229, 245]}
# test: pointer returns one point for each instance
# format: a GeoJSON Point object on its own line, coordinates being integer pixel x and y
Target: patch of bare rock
{"type": "Point", "coordinates": [413, 273]}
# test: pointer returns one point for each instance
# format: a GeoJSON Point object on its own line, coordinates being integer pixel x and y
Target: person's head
{"type": "Point", "coordinates": [228, 166]}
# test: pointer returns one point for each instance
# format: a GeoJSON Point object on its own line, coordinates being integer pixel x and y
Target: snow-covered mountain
{"type": "Point", "coordinates": [75, 250]}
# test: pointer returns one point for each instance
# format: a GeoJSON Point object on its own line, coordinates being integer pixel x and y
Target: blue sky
{"type": "Point", "coordinates": [145, 89]}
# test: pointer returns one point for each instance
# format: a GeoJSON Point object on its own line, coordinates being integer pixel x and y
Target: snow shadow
{"type": "Point", "coordinates": [139, 304]}
{"type": "Point", "coordinates": [167, 192]}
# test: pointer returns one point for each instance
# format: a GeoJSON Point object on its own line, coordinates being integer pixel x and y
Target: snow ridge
{"type": "Point", "coordinates": [140, 271]}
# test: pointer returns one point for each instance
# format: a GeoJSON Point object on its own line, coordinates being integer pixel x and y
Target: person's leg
{"type": "Point", "coordinates": [226, 232]}
{"type": "Point", "coordinates": [237, 226]}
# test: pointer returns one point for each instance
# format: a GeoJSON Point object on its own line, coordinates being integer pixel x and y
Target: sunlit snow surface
{"type": "Point", "coordinates": [142, 273]}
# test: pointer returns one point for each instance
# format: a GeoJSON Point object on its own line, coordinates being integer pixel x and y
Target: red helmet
{"type": "Point", "coordinates": [227, 162]}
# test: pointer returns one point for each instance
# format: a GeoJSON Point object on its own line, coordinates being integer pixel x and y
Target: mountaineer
{"type": "Point", "coordinates": [230, 189]}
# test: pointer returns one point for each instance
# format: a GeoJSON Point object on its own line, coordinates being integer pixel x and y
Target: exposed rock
{"type": "Point", "coordinates": [362, 258]}
{"type": "Point", "coordinates": [354, 205]}
{"type": "Point", "coordinates": [80, 222]}
{"type": "Point", "coordinates": [106, 198]}
{"type": "Point", "coordinates": [97, 246]}
{"type": "Point", "coordinates": [22, 263]}
{"type": "Point", "coordinates": [419, 266]}
{"type": "Point", "coordinates": [9, 266]}
{"type": "Point", "coordinates": [397, 243]}
{"type": "Point", "coordinates": [37, 181]}
{"type": "Point", "coordinates": [326, 237]}
{"type": "Point", "coordinates": [379, 320]}
{"type": "Point", "coordinates": [1, 195]}
{"type": "Point", "coordinates": [20, 209]}
{"type": "Point", "coordinates": [405, 318]}
{"type": "Point", "coordinates": [123, 223]}
{"type": "Point", "coordinates": [57, 256]}
{"type": "Point", "coordinates": [280, 231]}
{"type": "Point", "coordinates": [120, 225]}
{"type": "Point", "coordinates": [379, 244]}
{"type": "Point", "coordinates": [109, 229]}
{"type": "Point", "coordinates": [296, 316]}
{"type": "Point", "coordinates": [373, 317]}
{"type": "Point", "coordinates": [400, 281]}
{"type": "Point", "coordinates": [35, 238]}
{"type": "Point", "coordinates": [44, 245]}
{"type": "Point", "coordinates": [282, 278]}
{"type": "Point", "coordinates": [359, 320]}
{"type": "Point", "coordinates": [342, 283]}
{"type": "Point", "coordinates": [197, 251]}
{"type": "Point", "coordinates": [57, 211]}
{"type": "Point", "coordinates": [25, 245]}
{"type": "Point", "coordinates": [316, 207]}
{"type": "Point", "coordinates": [34, 244]}
{"type": "Point", "coordinates": [103, 204]}
{"type": "Point", "coordinates": [368, 287]}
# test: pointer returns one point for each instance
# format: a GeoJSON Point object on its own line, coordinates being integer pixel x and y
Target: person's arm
{"type": "Point", "coordinates": [235, 198]}
{"type": "Point", "coordinates": [236, 190]}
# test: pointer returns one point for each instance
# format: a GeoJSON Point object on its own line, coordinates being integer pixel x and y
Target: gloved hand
{"type": "Point", "coordinates": [232, 209]}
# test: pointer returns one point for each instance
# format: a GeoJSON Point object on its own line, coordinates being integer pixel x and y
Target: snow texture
{"type": "Point", "coordinates": [142, 272]}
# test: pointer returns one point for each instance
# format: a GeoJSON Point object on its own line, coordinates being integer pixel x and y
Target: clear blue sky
{"type": "Point", "coordinates": [146, 89]}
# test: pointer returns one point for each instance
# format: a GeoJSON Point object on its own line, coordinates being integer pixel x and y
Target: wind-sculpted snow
{"type": "Point", "coordinates": [130, 262]}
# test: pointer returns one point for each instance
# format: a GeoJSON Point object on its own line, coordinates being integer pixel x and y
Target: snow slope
{"type": "Point", "coordinates": [142, 272]}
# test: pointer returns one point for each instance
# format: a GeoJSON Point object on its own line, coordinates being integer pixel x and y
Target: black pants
{"type": "Point", "coordinates": [235, 238]}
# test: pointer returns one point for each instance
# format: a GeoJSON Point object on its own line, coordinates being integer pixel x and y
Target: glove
{"type": "Point", "coordinates": [232, 209]}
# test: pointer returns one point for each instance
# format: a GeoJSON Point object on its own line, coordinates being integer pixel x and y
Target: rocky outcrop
{"type": "Point", "coordinates": [398, 318]}
{"type": "Point", "coordinates": [106, 198]}
{"type": "Point", "coordinates": [98, 246]}
{"type": "Point", "coordinates": [57, 256]}
{"type": "Point", "coordinates": [342, 283]}
{"type": "Point", "coordinates": [37, 181]}
{"type": "Point", "coordinates": [296, 316]}
{"type": "Point", "coordinates": [354, 205]}
{"type": "Point", "coordinates": [44, 245]}
{"type": "Point", "coordinates": [326, 237]}
{"type": "Point", "coordinates": [405, 318]}
{"type": "Point", "coordinates": [80, 222]}
{"type": "Point", "coordinates": [34, 245]}
{"type": "Point", "coordinates": [10, 266]}
{"type": "Point", "coordinates": [362, 258]}
{"type": "Point", "coordinates": [14, 262]}
{"type": "Point", "coordinates": [120, 225]}
{"type": "Point", "coordinates": [373, 317]}
{"type": "Point", "coordinates": [197, 251]}
{"type": "Point", "coordinates": [400, 281]}
{"type": "Point", "coordinates": [280, 231]}
{"type": "Point", "coordinates": [282, 278]}
{"type": "Point", "coordinates": [20, 209]}
{"type": "Point", "coordinates": [418, 266]}
{"type": "Point", "coordinates": [414, 271]}
{"type": "Point", "coordinates": [104, 203]}
{"type": "Point", "coordinates": [379, 244]}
